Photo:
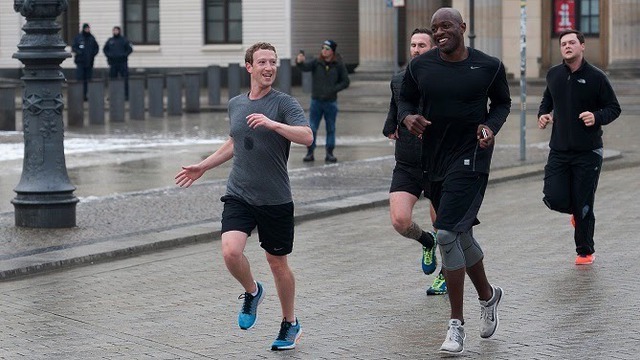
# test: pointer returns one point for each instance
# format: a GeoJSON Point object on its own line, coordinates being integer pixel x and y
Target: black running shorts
{"type": "Point", "coordinates": [274, 222]}
{"type": "Point", "coordinates": [457, 200]}
{"type": "Point", "coordinates": [409, 179]}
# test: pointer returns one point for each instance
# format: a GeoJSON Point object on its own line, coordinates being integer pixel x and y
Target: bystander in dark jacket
{"type": "Point", "coordinates": [117, 50]}
{"type": "Point", "coordinates": [85, 47]}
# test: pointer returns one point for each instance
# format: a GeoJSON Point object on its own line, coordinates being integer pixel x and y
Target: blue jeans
{"type": "Point", "coordinates": [329, 109]}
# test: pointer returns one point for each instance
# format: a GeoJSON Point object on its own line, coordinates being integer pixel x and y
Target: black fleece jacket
{"type": "Point", "coordinates": [328, 78]}
{"type": "Point", "coordinates": [408, 148]}
{"type": "Point", "coordinates": [569, 94]}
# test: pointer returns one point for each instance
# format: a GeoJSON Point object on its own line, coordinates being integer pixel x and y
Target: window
{"type": "Point", "coordinates": [223, 21]}
{"type": "Point", "coordinates": [589, 23]}
{"type": "Point", "coordinates": [142, 21]}
{"type": "Point", "coordinates": [582, 15]}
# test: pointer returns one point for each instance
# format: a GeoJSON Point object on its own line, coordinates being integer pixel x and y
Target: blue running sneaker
{"type": "Point", "coordinates": [439, 286]}
{"type": "Point", "coordinates": [249, 312]}
{"type": "Point", "coordinates": [429, 261]}
{"type": "Point", "coordinates": [288, 336]}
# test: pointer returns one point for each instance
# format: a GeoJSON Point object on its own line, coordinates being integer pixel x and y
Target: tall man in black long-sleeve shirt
{"type": "Point", "coordinates": [582, 101]}
{"type": "Point", "coordinates": [454, 84]}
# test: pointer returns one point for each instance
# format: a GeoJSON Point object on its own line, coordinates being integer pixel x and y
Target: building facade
{"type": "Point", "coordinates": [611, 28]}
{"type": "Point", "coordinates": [192, 34]}
{"type": "Point", "coordinates": [371, 34]}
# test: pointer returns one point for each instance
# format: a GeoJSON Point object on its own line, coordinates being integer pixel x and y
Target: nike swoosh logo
{"type": "Point", "coordinates": [447, 251]}
{"type": "Point", "coordinates": [278, 249]}
{"type": "Point", "coordinates": [475, 67]}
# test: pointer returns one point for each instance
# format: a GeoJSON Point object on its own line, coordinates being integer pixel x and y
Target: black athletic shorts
{"type": "Point", "coordinates": [457, 200]}
{"type": "Point", "coordinates": [274, 222]}
{"type": "Point", "coordinates": [409, 179]}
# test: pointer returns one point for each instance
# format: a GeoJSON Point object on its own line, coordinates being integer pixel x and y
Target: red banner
{"type": "Point", "coordinates": [564, 15]}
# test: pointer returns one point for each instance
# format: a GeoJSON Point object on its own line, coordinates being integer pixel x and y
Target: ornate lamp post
{"type": "Point", "coordinates": [44, 195]}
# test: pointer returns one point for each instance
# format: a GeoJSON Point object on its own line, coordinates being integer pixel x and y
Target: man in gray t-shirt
{"type": "Point", "coordinates": [264, 122]}
{"type": "Point", "coordinates": [259, 174]}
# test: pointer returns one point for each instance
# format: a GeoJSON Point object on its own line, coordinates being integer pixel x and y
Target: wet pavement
{"type": "Point", "coordinates": [177, 303]}
{"type": "Point", "coordinates": [360, 292]}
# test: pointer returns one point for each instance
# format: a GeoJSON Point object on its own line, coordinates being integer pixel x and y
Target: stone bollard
{"type": "Point", "coordinates": [307, 82]}
{"type": "Point", "coordinates": [192, 92]}
{"type": "Point", "coordinates": [96, 101]}
{"type": "Point", "coordinates": [155, 87]}
{"type": "Point", "coordinates": [174, 94]}
{"type": "Point", "coordinates": [213, 84]}
{"type": "Point", "coordinates": [136, 98]}
{"type": "Point", "coordinates": [233, 80]}
{"type": "Point", "coordinates": [116, 100]}
{"type": "Point", "coordinates": [75, 103]}
{"type": "Point", "coordinates": [8, 107]}
{"type": "Point", "coordinates": [284, 76]}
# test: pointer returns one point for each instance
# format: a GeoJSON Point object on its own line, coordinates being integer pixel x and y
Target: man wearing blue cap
{"type": "Point", "coordinates": [329, 77]}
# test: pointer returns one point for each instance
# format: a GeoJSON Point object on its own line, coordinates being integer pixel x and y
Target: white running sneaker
{"type": "Point", "coordinates": [454, 343]}
{"type": "Point", "coordinates": [489, 313]}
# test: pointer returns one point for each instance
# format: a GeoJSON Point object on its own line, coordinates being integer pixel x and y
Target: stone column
{"type": "Point", "coordinates": [96, 101]}
{"type": "Point", "coordinates": [488, 27]}
{"type": "Point", "coordinates": [75, 103]}
{"type": "Point", "coordinates": [624, 42]}
{"type": "Point", "coordinates": [8, 107]}
{"type": "Point", "coordinates": [136, 98]}
{"type": "Point", "coordinates": [234, 80]}
{"type": "Point", "coordinates": [376, 36]}
{"type": "Point", "coordinates": [174, 94]}
{"type": "Point", "coordinates": [116, 100]}
{"type": "Point", "coordinates": [213, 84]}
{"type": "Point", "coordinates": [192, 91]}
{"type": "Point", "coordinates": [155, 87]}
{"type": "Point", "coordinates": [45, 194]}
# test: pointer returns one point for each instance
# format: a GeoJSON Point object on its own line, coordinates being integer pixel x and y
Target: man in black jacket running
{"type": "Point", "coordinates": [582, 101]}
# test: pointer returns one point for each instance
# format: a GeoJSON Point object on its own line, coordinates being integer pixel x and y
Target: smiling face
{"type": "Point", "coordinates": [420, 44]}
{"type": "Point", "coordinates": [263, 69]}
{"type": "Point", "coordinates": [448, 30]}
{"type": "Point", "coordinates": [571, 48]}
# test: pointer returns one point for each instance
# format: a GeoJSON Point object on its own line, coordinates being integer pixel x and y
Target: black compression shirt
{"type": "Point", "coordinates": [455, 96]}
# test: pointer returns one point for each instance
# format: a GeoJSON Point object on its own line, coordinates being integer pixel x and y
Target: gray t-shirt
{"type": "Point", "coordinates": [259, 173]}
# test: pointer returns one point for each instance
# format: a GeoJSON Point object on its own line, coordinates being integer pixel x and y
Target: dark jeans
{"type": "Point", "coordinates": [85, 74]}
{"type": "Point", "coordinates": [121, 70]}
{"type": "Point", "coordinates": [570, 182]}
{"type": "Point", "coordinates": [329, 109]}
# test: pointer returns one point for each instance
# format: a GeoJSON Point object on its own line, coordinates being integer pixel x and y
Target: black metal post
{"type": "Point", "coordinates": [45, 194]}
{"type": "Point", "coordinates": [472, 18]}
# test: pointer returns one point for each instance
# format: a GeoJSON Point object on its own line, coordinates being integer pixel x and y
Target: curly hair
{"type": "Point", "coordinates": [248, 55]}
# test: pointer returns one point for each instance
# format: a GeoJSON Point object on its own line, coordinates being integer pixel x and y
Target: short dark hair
{"type": "Point", "coordinates": [424, 31]}
{"type": "Point", "coordinates": [248, 55]}
{"type": "Point", "coordinates": [579, 35]}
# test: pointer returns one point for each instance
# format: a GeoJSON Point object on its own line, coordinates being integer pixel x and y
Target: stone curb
{"type": "Point", "coordinates": [156, 241]}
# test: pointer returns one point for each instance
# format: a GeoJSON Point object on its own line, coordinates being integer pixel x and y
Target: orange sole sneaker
{"type": "Point", "coordinates": [585, 259]}
{"type": "Point", "coordinates": [573, 221]}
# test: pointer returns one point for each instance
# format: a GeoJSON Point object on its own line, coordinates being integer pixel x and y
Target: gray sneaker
{"type": "Point", "coordinates": [489, 313]}
{"type": "Point", "coordinates": [454, 343]}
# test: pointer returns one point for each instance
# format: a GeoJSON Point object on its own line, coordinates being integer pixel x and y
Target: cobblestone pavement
{"type": "Point", "coordinates": [361, 294]}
